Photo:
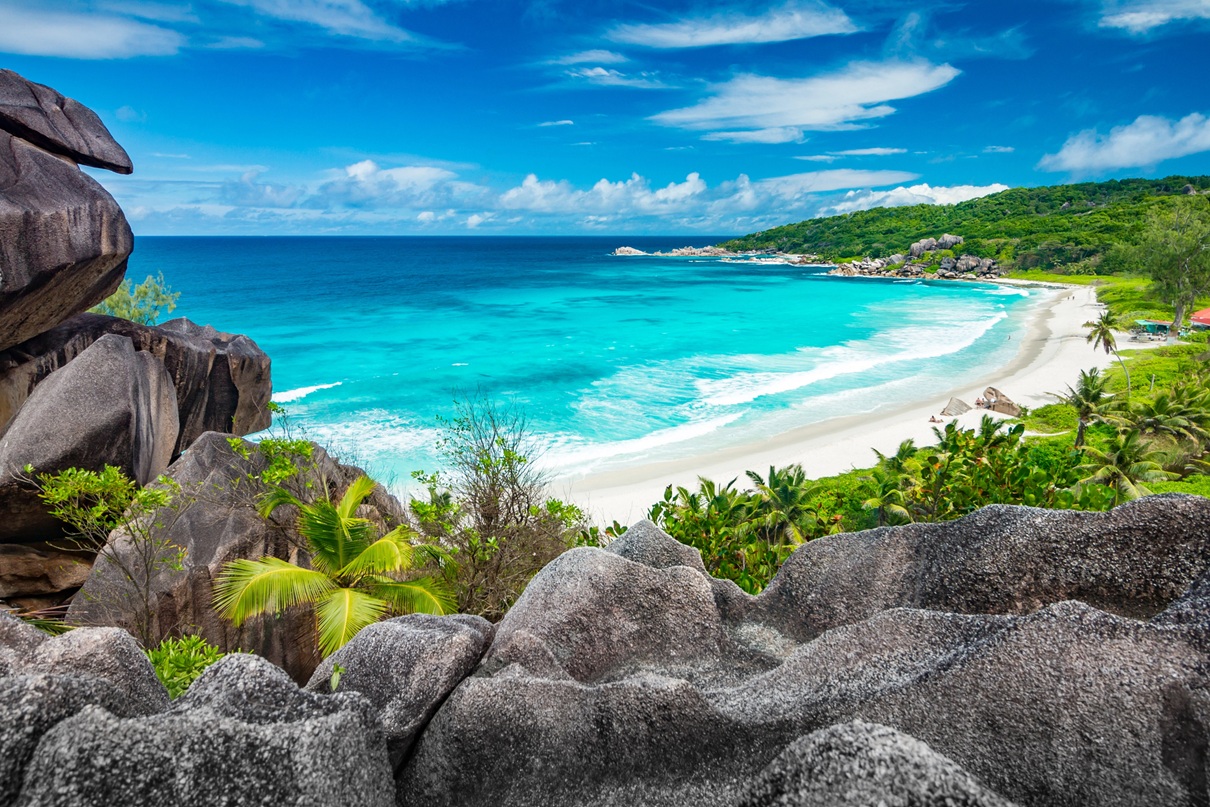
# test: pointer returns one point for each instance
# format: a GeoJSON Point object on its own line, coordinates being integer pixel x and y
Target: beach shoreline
{"type": "Point", "coordinates": [1054, 349]}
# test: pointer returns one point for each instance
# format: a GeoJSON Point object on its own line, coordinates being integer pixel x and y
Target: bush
{"type": "Point", "coordinates": [144, 303]}
{"type": "Point", "coordinates": [178, 662]}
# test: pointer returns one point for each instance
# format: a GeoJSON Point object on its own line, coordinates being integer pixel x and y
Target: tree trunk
{"type": "Point", "coordinates": [1177, 318]}
{"type": "Point", "coordinates": [1079, 432]}
{"type": "Point", "coordinates": [1124, 370]}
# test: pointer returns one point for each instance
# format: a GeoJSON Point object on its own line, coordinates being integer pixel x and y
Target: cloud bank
{"type": "Point", "coordinates": [1145, 142]}
{"type": "Point", "coordinates": [790, 22]}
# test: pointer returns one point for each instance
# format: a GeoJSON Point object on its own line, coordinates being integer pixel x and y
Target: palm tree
{"type": "Point", "coordinates": [887, 497]}
{"type": "Point", "coordinates": [1088, 398]}
{"type": "Point", "coordinates": [897, 463]}
{"type": "Point", "coordinates": [783, 511]}
{"type": "Point", "coordinates": [1168, 414]}
{"type": "Point", "coordinates": [357, 578]}
{"type": "Point", "coordinates": [1123, 466]}
{"type": "Point", "coordinates": [1102, 336]}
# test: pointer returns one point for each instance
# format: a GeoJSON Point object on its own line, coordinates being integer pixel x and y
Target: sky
{"type": "Point", "coordinates": [567, 117]}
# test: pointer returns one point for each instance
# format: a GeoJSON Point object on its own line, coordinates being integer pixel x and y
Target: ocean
{"type": "Point", "coordinates": [613, 360]}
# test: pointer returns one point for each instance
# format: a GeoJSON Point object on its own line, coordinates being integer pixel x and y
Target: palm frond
{"type": "Point", "coordinates": [362, 487]}
{"type": "Point", "coordinates": [342, 614]}
{"type": "Point", "coordinates": [246, 587]}
{"type": "Point", "coordinates": [425, 595]}
{"type": "Point", "coordinates": [389, 554]}
{"type": "Point", "coordinates": [334, 539]}
{"type": "Point", "coordinates": [275, 498]}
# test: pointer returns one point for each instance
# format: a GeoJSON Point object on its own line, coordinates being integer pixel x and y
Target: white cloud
{"type": "Point", "coordinates": [1141, 16]}
{"type": "Point", "coordinates": [792, 21]}
{"type": "Point", "coordinates": [40, 32]}
{"type": "Point", "coordinates": [343, 17]}
{"type": "Point", "coordinates": [595, 56]}
{"type": "Point", "coordinates": [366, 184]}
{"type": "Point", "coordinates": [779, 134]}
{"type": "Point", "coordinates": [249, 192]}
{"type": "Point", "coordinates": [834, 101]}
{"type": "Point", "coordinates": [923, 194]}
{"type": "Point", "coordinates": [830, 180]}
{"type": "Point", "coordinates": [608, 77]}
{"type": "Point", "coordinates": [558, 123]}
{"type": "Point", "coordinates": [819, 158]}
{"type": "Point", "coordinates": [999, 150]}
{"type": "Point", "coordinates": [870, 152]}
{"type": "Point", "coordinates": [632, 195]}
{"type": "Point", "coordinates": [1146, 141]}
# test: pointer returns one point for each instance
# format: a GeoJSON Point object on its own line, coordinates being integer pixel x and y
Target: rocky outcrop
{"type": "Point", "coordinates": [63, 239]}
{"type": "Point", "coordinates": [242, 734]}
{"type": "Point", "coordinates": [222, 381]}
{"type": "Point", "coordinates": [36, 570]}
{"type": "Point", "coordinates": [406, 667]}
{"type": "Point", "coordinates": [613, 681]}
{"type": "Point", "coordinates": [948, 241]}
{"type": "Point", "coordinates": [113, 405]}
{"type": "Point", "coordinates": [216, 522]}
{"type": "Point", "coordinates": [955, 407]}
{"type": "Point", "coordinates": [868, 764]}
{"type": "Point", "coordinates": [42, 116]}
{"type": "Point", "coordinates": [918, 249]}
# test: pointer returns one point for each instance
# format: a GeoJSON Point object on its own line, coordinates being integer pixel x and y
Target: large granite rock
{"type": "Point", "coordinates": [406, 667]}
{"type": "Point", "coordinates": [63, 241]}
{"type": "Point", "coordinates": [1015, 642]}
{"type": "Point", "coordinates": [32, 570]}
{"type": "Point", "coordinates": [222, 380]}
{"type": "Point", "coordinates": [864, 763]}
{"type": "Point", "coordinates": [60, 125]}
{"type": "Point", "coordinates": [219, 523]}
{"type": "Point", "coordinates": [107, 654]}
{"type": "Point", "coordinates": [113, 405]}
{"type": "Point", "coordinates": [242, 734]}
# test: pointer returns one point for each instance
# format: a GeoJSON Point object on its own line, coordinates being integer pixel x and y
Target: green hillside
{"type": "Point", "coordinates": [1023, 228]}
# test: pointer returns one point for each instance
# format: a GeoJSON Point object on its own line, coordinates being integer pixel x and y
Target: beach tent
{"type": "Point", "coordinates": [1201, 319]}
{"type": "Point", "coordinates": [1153, 325]}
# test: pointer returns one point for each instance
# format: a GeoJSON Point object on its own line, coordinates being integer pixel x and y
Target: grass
{"type": "Point", "coordinates": [1051, 419]}
{"type": "Point", "coordinates": [1166, 365]}
{"type": "Point", "coordinates": [1195, 485]}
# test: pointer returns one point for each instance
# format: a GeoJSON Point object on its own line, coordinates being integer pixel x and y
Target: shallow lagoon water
{"type": "Point", "coordinates": [615, 360]}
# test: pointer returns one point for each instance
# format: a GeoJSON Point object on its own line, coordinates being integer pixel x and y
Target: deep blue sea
{"type": "Point", "coordinates": [615, 360]}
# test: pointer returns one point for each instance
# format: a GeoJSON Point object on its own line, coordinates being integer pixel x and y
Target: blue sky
{"type": "Point", "coordinates": [611, 116]}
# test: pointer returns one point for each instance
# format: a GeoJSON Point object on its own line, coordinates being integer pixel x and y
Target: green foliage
{"type": "Point", "coordinates": [491, 511]}
{"type": "Point", "coordinates": [1049, 228]}
{"type": "Point", "coordinates": [1174, 250]}
{"type": "Point", "coordinates": [358, 577]}
{"type": "Point", "coordinates": [178, 662]}
{"type": "Point", "coordinates": [285, 458]}
{"type": "Point", "coordinates": [144, 303]}
{"type": "Point", "coordinates": [1198, 485]}
{"type": "Point", "coordinates": [97, 504]}
{"type": "Point", "coordinates": [1057, 417]}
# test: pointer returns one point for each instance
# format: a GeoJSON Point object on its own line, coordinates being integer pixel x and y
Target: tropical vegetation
{"type": "Point", "coordinates": [145, 303]}
{"type": "Point", "coordinates": [178, 662]}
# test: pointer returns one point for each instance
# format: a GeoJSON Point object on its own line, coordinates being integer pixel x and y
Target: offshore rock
{"type": "Point", "coordinates": [222, 381]}
{"type": "Point", "coordinates": [617, 683]}
{"type": "Point", "coordinates": [864, 763]}
{"type": "Point", "coordinates": [242, 734]}
{"type": "Point", "coordinates": [217, 523]}
{"type": "Point", "coordinates": [113, 405]}
{"type": "Point", "coordinates": [63, 241]}
{"type": "Point", "coordinates": [406, 667]}
{"type": "Point", "coordinates": [44, 117]}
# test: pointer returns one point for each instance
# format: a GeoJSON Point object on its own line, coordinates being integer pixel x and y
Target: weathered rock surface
{"type": "Point", "coordinates": [949, 241]}
{"type": "Point", "coordinates": [60, 125]}
{"type": "Point", "coordinates": [406, 667]}
{"type": "Point", "coordinates": [113, 405]}
{"type": "Point", "coordinates": [955, 407]}
{"type": "Point", "coordinates": [977, 637]}
{"type": "Point", "coordinates": [864, 763]}
{"type": "Point", "coordinates": [63, 241]}
{"type": "Point", "coordinates": [220, 526]}
{"type": "Point", "coordinates": [107, 654]}
{"type": "Point", "coordinates": [242, 734]}
{"type": "Point", "coordinates": [222, 381]}
{"type": "Point", "coordinates": [30, 570]}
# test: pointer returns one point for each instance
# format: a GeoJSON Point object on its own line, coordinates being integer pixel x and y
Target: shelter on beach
{"type": "Point", "coordinates": [1201, 320]}
{"type": "Point", "coordinates": [1155, 326]}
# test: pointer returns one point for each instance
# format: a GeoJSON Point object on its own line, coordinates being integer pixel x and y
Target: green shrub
{"type": "Point", "coordinates": [1051, 418]}
{"type": "Point", "coordinates": [178, 662]}
{"type": "Point", "coordinates": [1198, 485]}
{"type": "Point", "coordinates": [144, 303]}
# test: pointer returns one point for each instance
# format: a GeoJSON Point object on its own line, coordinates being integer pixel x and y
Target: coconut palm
{"type": "Point", "coordinates": [1123, 466]}
{"type": "Point", "coordinates": [783, 512]}
{"type": "Point", "coordinates": [1101, 336]}
{"type": "Point", "coordinates": [1089, 399]}
{"type": "Point", "coordinates": [1169, 415]}
{"type": "Point", "coordinates": [358, 576]}
{"type": "Point", "coordinates": [887, 497]}
{"type": "Point", "coordinates": [898, 462]}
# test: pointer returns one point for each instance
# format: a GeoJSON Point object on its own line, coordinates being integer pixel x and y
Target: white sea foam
{"type": "Point", "coordinates": [301, 392]}
{"type": "Point", "coordinates": [925, 343]}
{"type": "Point", "coordinates": [573, 454]}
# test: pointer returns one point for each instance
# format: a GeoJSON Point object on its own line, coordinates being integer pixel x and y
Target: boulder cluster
{"type": "Point", "coordinates": [80, 390]}
{"type": "Point", "coordinates": [919, 259]}
{"type": "Point", "coordinates": [1017, 656]}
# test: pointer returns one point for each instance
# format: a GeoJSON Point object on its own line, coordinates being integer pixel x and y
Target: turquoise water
{"type": "Point", "coordinates": [615, 360]}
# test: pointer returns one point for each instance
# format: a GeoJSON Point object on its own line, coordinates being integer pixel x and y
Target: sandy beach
{"type": "Point", "coordinates": [1052, 353]}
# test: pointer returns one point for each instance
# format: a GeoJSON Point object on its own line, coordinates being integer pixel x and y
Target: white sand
{"type": "Point", "coordinates": [1053, 351]}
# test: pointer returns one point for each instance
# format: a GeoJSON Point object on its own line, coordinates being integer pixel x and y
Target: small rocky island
{"type": "Point", "coordinates": [1015, 656]}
